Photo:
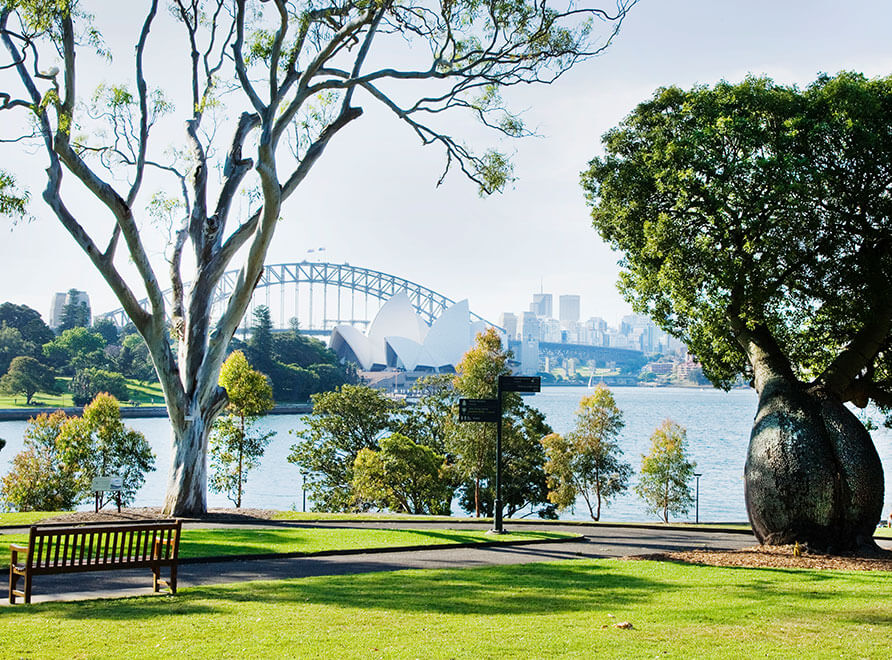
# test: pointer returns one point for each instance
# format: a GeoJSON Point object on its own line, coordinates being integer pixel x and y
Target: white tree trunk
{"type": "Point", "coordinates": [186, 493]}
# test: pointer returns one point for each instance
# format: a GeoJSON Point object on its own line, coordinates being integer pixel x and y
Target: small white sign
{"type": "Point", "coordinates": [107, 483]}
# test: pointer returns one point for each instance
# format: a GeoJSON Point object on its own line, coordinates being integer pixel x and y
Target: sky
{"type": "Point", "coordinates": [372, 200]}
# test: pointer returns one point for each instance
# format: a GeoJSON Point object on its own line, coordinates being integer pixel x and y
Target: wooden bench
{"type": "Point", "coordinates": [66, 548]}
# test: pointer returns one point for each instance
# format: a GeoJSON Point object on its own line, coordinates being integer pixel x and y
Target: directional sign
{"type": "Point", "coordinates": [519, 383]}
{"type": "Point", "coordinates": [478, 410]}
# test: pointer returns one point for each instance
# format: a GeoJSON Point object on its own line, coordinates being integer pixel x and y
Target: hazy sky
{"type": "Point", "coordinates": [372, 199]}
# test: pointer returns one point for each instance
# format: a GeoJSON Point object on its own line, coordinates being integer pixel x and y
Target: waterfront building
{"type": "Point", "coordinates": [542, 305]}
{"type": "Point", "coordinates": [568, 310]}
{"type": "Point", "coordinates": [62, 300]}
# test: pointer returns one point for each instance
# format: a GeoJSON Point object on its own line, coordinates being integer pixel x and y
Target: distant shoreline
{"type": "Point", "coordinates": [132, 412]}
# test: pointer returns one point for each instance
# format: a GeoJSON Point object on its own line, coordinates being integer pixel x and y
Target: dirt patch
{"type": "Point", "coordinates": [154, 513]}
{"type": "Point", "coordinates": [782, 556]}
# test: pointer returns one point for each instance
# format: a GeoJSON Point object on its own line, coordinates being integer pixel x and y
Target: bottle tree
{"type": "Point", "coordinates": [754, 224]}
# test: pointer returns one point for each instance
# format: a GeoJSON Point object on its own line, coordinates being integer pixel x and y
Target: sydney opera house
{"type": "Point", "coordinates": [399, 339]}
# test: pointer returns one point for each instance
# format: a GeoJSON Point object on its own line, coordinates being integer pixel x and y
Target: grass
{"type": "Point", "coordinates": [27, 517]}
{"type": "Point", "coordinates": [141, 393]}
{"type": "Point", "coordinates": [233, 542]}
{"type": "Point", "coordinates": [563, 609]}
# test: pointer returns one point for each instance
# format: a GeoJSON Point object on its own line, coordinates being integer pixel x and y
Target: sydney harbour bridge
{"type": "Point", "coordinates": [323, 295]}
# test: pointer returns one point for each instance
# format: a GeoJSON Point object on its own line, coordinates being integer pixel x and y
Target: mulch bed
{"type": "Point", "coordinates": [782, 556]}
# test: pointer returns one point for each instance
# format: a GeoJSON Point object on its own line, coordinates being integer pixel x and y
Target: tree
{"type": "Point", "coordinates": [342, 424]}
{"type": "Point", "coordinates": [754, 224]}
{"type": "Point", "coordinates": [39, 479]}
{"type": "Point", "coordinates": [473, 444]}
{"type": "Point", "coordinates": [402, 476]}
{"type": "Point", "coordinates": [293, 75]}
{"type": "Point", "coordinates": [587, 462]}
{"type": "Point", "coordinates": [98, 444]}
{"type": "Point", "coordinates": [28, 322]}
{"type": "Point", "coordinates": [75, 313]}
{"type": "Point", "coordinates": [666, 472]}
{"type": "Point", "coordinates": [27, 376]}
{"type": "Point", "coordinates": [106, 329]}
{"type": "Point", "coordinates": [12, 345]}
{"type": "Point", "coordinates": [260, 345]}
{"type": "Point", "coordinates": [88, 383]}
{"type": "Point", "coordinates": [76, 348]}
{"type": "Point", "coordinates": [235, 444]}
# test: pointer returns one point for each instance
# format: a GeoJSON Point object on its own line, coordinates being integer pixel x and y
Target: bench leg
{"type": "Point", "coordinates": [156, 578]}
{"type": "Point", "coordinates": [27, 587]}
{"type": "Point", "coordinates": [13, 580]}
{"type": "Point", "coordinates": [173, 579]}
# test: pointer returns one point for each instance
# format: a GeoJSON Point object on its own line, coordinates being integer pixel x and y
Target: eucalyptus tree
{"type": "Point", "coordinates": [270, 84]}
{"type": "Point", "coordinates": [755, 225]}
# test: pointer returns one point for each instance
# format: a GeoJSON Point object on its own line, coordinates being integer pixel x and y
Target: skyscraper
{"type": "Point", "coordinates": [568, 309]}
{"type": "Point", "coordinates": [542, 305]}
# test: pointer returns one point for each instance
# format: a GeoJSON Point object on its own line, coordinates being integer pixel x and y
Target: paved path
{"type": "Point", "coordinates": [596, 542]}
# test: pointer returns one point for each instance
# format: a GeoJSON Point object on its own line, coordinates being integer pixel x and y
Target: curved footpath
{"type": "Point", "coordinates": [596, 542]}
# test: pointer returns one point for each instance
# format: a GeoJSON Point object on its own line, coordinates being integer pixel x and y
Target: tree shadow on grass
{"type": "Point", "coordinates": [514, 590]}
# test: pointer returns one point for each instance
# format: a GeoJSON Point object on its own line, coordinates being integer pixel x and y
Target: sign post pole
{"type": "Point", "coordinates": [497, 505]}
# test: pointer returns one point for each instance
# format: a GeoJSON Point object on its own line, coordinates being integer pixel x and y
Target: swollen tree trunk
{"type": "Point", "coordinates": [812, 473]}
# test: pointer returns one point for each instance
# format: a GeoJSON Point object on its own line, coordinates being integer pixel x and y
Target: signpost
{"type": "Point", "coordinates": [100, 485]}
{"type": "Point", "coordinates": [490, 410]}
{"type": "Point", "coordinates": [479, 410]}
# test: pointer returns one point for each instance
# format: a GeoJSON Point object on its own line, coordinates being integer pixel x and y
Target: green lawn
{"type": "Point", "coordinates": [141, 393]}
{"type": "Point", "coordinates": [233, 542]}
{"type": "Point", "coordinates": [560, 610]}
{"type": "Point", "coordinates": [27, 517]}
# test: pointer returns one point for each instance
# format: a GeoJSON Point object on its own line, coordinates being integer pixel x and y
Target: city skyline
{"type": "Point", "coordinates": [496, 251]}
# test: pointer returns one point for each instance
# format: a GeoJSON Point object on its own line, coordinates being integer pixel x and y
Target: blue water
{"type": "Point", "coordinates": [718, 426]}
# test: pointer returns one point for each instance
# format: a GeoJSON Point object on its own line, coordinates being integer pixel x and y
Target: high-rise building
{"type": "Point", "coordinates": [542, 305]}
{"type": "Point", "coordinates": [528, 327]}
{"type": "Point", "coordinates": [508, 321]}
{"type": "Point", "coordinates": [568, 309]}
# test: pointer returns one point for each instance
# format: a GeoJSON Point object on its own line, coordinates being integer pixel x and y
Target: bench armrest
{"type": "Point", "coordinates": [14, 550]}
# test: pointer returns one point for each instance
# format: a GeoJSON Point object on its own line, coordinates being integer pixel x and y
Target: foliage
{"type": "Point", "coordinates": [343, 423]}
{"type": "Point", "coordinates": [260, 345]}
{"type": "Point", "coordinates": [27, 376]}
{"type": "Point", "coordinates": [430, 419]}
{"type": "Point", "coordinates": [402, 476]}
{"type": "Point", "coordinates": [666, 472]}
{"type": "Point", "coordinates": [473, 444]}
{"type": "Point", "coordinates": [28, 322]}
{"type": "Point", "coordinates": [74, 314]}
{"type": "Point", "coordinates": [235, 444]}
{"type": "Point", "coordinates": [87, 383]}
{"type": "Point", "coordinates": [134, 360]}
{"type": "Point", "coordinates": [587, 462]}
{"type": "Point", "coordinates": [106, 329]}
{"type": "Point", "coordinates": [12, 345]}
{"type": "Point", "coordinates": [74, 349]}
{"type": "Point", "coordinates": [99, 445]}
{"type": "Point", "coordinates": [39, 479]}
{"type": "Point", "coordinates": [754, 220]}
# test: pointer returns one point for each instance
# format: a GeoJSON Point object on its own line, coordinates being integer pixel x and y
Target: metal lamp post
{"type": "Point", "coordinates": [697, 500]}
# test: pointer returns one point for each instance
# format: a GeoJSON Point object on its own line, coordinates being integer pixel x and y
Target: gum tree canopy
{"type": "Point", "coordinates": [264, 86]}
{"type": "Point", "coordinates": [754, 223]}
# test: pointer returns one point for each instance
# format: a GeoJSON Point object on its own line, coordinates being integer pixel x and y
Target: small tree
{"type": "Point", "coordinates": [403, 476]}
{"type": "Point", "coordinates": [98, 445]}
{"type": "Point", "coordinates": [27, 376]}
{"type": "Point", "coordinates": [342, 424]}
{"type": "Point", "coordinates": [587, 462]}
{"type": "Point", "coordinates": [39, 480]}
{"type": "Point", "coordinates": [666, 472]}
{"type": "Point", "coordinates": [235, 444]}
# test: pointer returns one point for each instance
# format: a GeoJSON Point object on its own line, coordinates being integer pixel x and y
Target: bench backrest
{"type": "Point", "coordinates": [91, 545]}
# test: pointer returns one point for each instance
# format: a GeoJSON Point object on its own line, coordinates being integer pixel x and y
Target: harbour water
{"type": "Point", "coordinates": [718, 426]}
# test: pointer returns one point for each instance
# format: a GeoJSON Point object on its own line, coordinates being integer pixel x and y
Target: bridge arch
{"type": "Point", "coordinates": [427, 303]}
